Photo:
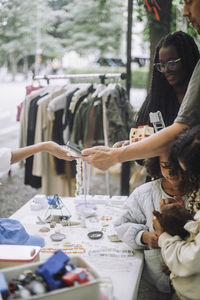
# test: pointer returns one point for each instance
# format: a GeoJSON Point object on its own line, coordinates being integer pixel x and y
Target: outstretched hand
{"type": "Point", "coordinates": [59, 151]}
{"type": "Point", "coordinates": [48, 146]}
{"type": "Point", "coordinates": [100, 157]}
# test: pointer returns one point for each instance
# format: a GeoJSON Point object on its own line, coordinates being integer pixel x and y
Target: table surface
{"type": "Point", "coordinates": [113, 260]}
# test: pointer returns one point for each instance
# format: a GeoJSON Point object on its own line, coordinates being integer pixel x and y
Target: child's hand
{"type": "Point", "coordinates": [166, 201]}
{"type": "Point", "coordinates": [179, 200]}
{"type": "Point", "coordinates": [151, 239]}
{"type": "Point", "coordinates": [176, 199]}
{"type": "Point", "coordinates": [157, 227]}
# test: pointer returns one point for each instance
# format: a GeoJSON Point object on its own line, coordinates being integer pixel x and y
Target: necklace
{"type": "Point", "coordinates": [79, 174]}
{"type": "Point", "coordinates": [168, 189]}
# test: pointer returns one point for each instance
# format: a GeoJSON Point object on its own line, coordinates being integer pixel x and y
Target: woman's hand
{"type": "Point", "coordinates": [101, 157]}
{"type": "Point", "coordinates": [50, 147]}
{"type": "Point", "coordinates": [151, 239]}
{"type": "Point", "coordinates": [58, 151]}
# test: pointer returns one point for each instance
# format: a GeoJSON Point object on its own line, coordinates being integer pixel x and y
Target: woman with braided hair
{"type": "Point", "coordinates": [103, 157]}
{"type": "Point", "coordinates": [171, 75]}
{"type": "Point", "coordinates": [175, 59]}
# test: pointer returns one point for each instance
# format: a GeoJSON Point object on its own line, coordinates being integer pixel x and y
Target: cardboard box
{"type": "Point", "coordinates": [86, 291]}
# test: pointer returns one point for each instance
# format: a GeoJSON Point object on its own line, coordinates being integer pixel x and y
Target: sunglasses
{"type": "Point", "coordinates": [170, 65]}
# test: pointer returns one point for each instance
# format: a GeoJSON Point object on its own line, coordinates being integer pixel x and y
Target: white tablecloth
{"type": "Point", "coordinates": [113, 260]}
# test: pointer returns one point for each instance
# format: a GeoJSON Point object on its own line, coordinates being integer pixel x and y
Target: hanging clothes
{"type": "Point", "coordinates": [88, 123]}
{"type": "Point", "coordinates": [29, 89]}
{"type": "Point", "coordinates": [119, 113]}
{"type": "Point", "coordinates": [44, 164]}
{"type": "Point", "coordinates": [87, 128]}
{"type": "Point", "coordinates": [71, 112]}
{"type": "Point", "coordinates": [30, 179]}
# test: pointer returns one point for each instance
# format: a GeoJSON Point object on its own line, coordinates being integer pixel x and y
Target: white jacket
{"type": "Point", "coordinates": [136, 219]}
{"type": "Point", "coordinates": [5, 159]}
{"type": "Point", "coordinates": [183, 259]}
{"type": "Point", "coordinates": [138, 215]}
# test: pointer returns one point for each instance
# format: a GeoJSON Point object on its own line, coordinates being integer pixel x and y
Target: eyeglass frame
{"type": "Point", "coordinates": [167, 65]}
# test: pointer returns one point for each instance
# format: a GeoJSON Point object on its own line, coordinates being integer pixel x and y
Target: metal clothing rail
{"type": "Point", "coordinates": [102, 77]}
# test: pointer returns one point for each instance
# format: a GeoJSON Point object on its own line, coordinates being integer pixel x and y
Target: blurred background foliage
{"type": "Point", "coordinates": [35, 35]}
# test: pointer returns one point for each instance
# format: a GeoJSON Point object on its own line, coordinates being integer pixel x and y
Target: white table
{"type": "Point", "coordinates": [113, 260]}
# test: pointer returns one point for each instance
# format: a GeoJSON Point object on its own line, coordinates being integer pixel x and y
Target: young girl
{"type": "Point", "coordinates": [135, 226]}
{"type": "Point", "coordinates": [183, 256]}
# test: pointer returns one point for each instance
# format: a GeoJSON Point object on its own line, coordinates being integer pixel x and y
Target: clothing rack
{"type": "Point", "coordinates": [125, 171]}
{"type": "Point", "coordinates": [100, 76]}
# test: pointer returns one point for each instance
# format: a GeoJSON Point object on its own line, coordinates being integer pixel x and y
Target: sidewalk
{"type": "Point", "coordinates": [13, 192]}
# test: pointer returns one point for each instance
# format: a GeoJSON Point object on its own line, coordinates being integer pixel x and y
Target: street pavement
{"type": "Point", "coordinates": [13, 192]}
{"type": "Point", "coordinates": [11, 95]}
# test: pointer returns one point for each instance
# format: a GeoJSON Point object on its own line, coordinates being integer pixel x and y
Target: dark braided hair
{"type": "Point", "coordinates": [162, 96]}
{"type": "Point", "coordinates": [187, 150]}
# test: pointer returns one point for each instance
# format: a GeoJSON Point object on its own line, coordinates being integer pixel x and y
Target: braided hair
{"type": "Point", "coordinates": [187, 150]}
{"type": "Point", "coordinates": [162, 96]}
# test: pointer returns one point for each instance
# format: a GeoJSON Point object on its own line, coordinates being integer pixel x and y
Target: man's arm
{"type": "Point", "coordinates": [104, 157]}
{"type": "Point", "coordinates": [50, 147]}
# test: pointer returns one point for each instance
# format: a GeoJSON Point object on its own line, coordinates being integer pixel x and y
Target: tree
{"type": "Point", "coordinates": [19, 23]}
{"type": "Point", "coordinates": [13, 31]}
{"type": "Point", "coordinates": [158, 29]}
{"type": "Point", "coordinates": [158, 25]}
{"type": "Point", "coordinates": [93, 25]}
{"type": "Point", "coordinates": [171, 19]}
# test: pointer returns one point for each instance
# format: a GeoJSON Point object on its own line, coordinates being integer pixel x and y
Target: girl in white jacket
{"type": "Point", "coordinates": [183, 255]}
{"type": "Point", "coordinates": [135, 227]}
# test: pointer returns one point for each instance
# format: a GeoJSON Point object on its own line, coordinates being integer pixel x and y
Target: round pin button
{"type": "Point", "coordinates": [57, 237]}
{"type": "Point", "coordinates": [95, 235]}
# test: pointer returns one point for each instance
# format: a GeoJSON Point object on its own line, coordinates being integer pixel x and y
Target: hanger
{"type": "Point", "coordinates": [100, 87]}
{"type": "Point", "coordinates": [107, 90]}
